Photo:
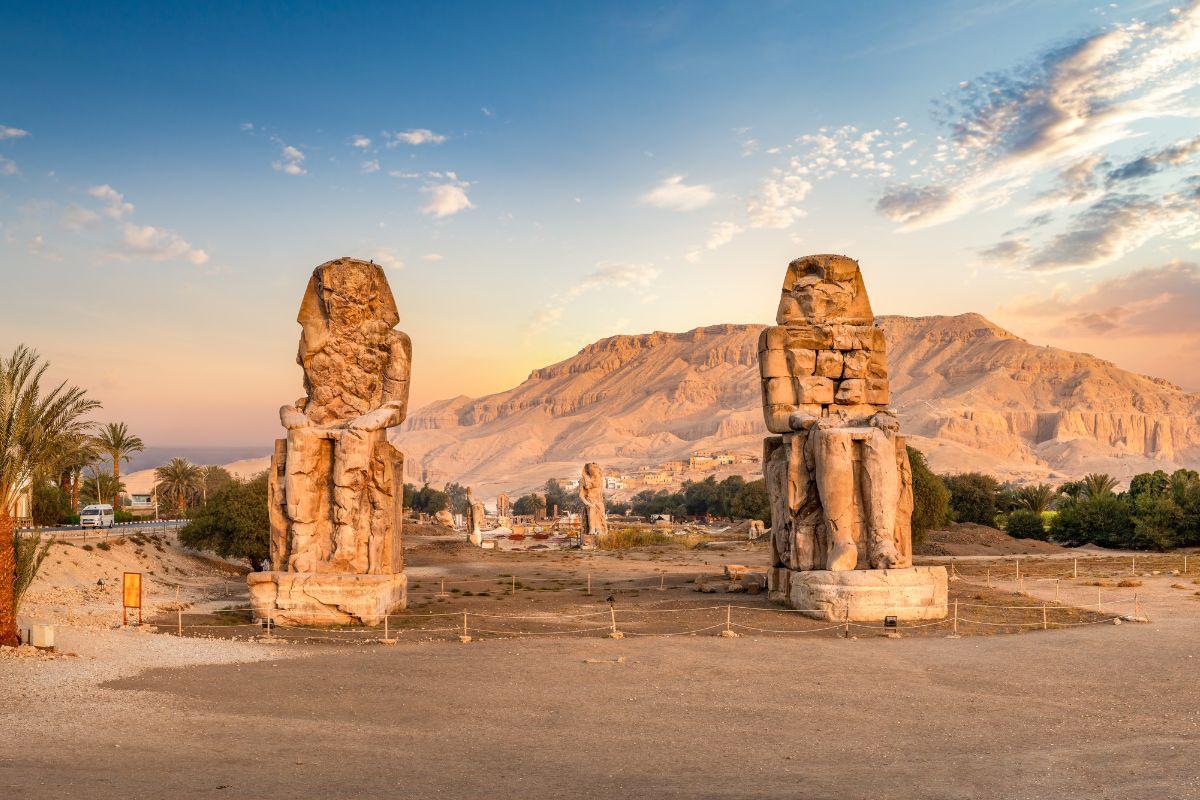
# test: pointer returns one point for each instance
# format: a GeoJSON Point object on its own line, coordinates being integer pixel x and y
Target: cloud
{"type": "Point", "coordinates": [1067, 104]}
{"type": "Point", "coordinates": [395, 173]}
{"type": "Point", "coordinates": [777, 203]}
{"type": "Point", "coordinates": [360, 141]}
{"type": "Point", "coordinates": [720, 234]}
{"type": "Point", "coordinates": [157, 244]}
{"type": "Point", "coordinates": [368, 167]}
{"type": "Point", "coordinates": [448, 198]}
{"type": "Point", "coordinates": [1115, 226]}
{"type": "Point", "coordinates": [8, 166]}
{"type": "Point", "coordinates": [487, 112]}
{"type": "Point", "coordinates": [621, 276]}
{"type": "Point", "coordinates": [1151, 301]}
{"type": "Point", "coordinates": [548, 316]}
{"type": "Point", "coordinates": [1078, 183]}
{"type": "Point", "coordinates": [115, 206]}
{"type": "Point", "coordinates": [432, 257]}
{"type": "Point", "coordinates": [414, 136]}
{"type": "Point", "coordinates": [386, 257]}
{"type": "Point", "coordinates": [675, 195]}
{"type": "Point", "coordinates": [7, 132]}
{"type": "Point", "coordinates": [76, 218]}
{"type": "Point", "coordinates": [291, 160]}
{"type": "Point", "coordinates": [1151, 163]}
{"type": "Point", "coordinates": [1006, 251]}
{"type": "Point", "coordinates": [247, 126]}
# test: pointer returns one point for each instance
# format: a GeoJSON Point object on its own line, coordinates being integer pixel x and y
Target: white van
{"type": "Point", "coordinates": [97, 516]}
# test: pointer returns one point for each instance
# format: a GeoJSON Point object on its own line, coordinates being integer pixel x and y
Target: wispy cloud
{"type": "Point", "coordinates": [386, 257]}
{"type": "Point", "coordinates": [1151, 163]}
{"type": "Point", "coordinates": [1067, 105]}
{"type": "Point", "coordinates": [675, 195]}
{"type": "Point", "coordinates": [9, 132]}
{"type": "Point", "coordinates": [369, 166]}
{"type": "Point", "coordinates": [1149, 302]}
{"type": "Point", "coordinates": [637, 278]}
{"type": "Point", "coordinates": [157, 244]}
{"type": "Point", "coordinates": [115, 206]}
{"type": "Point", "coordinates": [413, 136]}
{"type": "Point", "coordinates": [8, 167]}
{"type": "Point", "coordinates": [360, 141]}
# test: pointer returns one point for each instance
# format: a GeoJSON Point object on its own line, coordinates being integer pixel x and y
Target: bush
{"type": "Point", "coordinates": [973, 497]}
{"type": "Point", "coordinates": [626, 538]}
{"type": "Point", "coordinates": [234, 522]}
{"type": "Point", "coordinates": [931, 498]}
{"type": "Point", "coordinates": [1025, 524]}
{"type": "Point", "coordinates": [1104, 520]}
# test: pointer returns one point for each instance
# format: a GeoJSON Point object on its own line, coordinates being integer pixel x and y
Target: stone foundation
{"type": "Point", "coordinates": [308, 598]}
{"type": "Point", "coordinates": [869, 595]}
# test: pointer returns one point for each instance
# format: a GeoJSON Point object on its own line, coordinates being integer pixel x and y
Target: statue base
{"type": "Point", "coordinates": [862, 595]}
{"type": "Point", "coordinates": [326, 598]}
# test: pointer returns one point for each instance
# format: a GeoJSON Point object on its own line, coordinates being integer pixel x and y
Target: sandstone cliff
{"type": "Point", "coordinates": [969, 393]}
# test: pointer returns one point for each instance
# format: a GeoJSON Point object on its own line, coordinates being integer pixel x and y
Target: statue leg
{"type": "Point", "coordinates": [302, 495]}
{"type": "Point", "coordinates": [351, 522]}
{"type": "Point", "coordinates": [881, 496]}
{"type": "Point", "coordinates": [834, 464]}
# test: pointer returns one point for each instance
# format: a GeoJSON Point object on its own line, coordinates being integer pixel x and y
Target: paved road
{"type": "Point", "coordinates": [123, 529]}
{"type": "Point", "coordinates": [1100, 712]}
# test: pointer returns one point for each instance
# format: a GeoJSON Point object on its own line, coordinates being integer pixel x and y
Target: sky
{"type": "Point", "coordinates": [535, 177]}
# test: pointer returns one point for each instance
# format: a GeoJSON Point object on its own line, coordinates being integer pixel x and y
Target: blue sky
{"type": "Point", "coordinates": [537, 176]}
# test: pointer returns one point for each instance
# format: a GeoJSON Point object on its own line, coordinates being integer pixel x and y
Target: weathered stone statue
{"type": "Point", "coordinates": [475, 516]}
{"type": "Point", "coordinates": [837, 474]}
{"type": "Point", "coordinates": [594, 525]}
{"type": "Point", "coordinates": [336, 482]}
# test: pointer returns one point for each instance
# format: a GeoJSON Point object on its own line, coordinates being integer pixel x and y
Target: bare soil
{"type": "Point", "coordinates": [970, 539]}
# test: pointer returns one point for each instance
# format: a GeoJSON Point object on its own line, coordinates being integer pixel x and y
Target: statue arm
{"type": "Point", "coordinates": [292, 416]}
{"type": "Point", "coordinates": [395, 379]}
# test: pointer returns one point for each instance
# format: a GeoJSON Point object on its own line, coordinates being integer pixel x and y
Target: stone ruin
{"type": "Point", "coordinates": [336, 483]}
{"type": "Point", "coordinates": [474, 518]}
{"type": "Point", "coordinates": [837, 471]}
{"type": "Point", "coordinates": [594, 520]}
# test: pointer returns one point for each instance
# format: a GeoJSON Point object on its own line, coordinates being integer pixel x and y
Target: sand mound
{"type": "Point", "coordinates": [969, 539]}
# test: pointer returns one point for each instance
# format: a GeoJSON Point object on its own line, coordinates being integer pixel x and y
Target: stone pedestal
{"type": "Point", "coordinates": [318, 598]}
{"type": "Point", "coordinates": [869, 595]}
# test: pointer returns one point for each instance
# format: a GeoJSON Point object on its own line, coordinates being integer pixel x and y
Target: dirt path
{"type": "Point", "coordinates": [1100, 712]}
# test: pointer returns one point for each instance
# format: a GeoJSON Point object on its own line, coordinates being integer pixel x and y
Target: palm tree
{"type": "Point", "coordinates": [1037, 498]}
{"type": "Point", "coordinates": [1097, 484]}
{"type": "Point", "coordinates": [116, 442]}
{"type": "Point", "coordinates": [79, 453]}
{"type": "Point", "coordinates": [34, 428]}
{"type": "Point", "coordinates": [180, 480]}
{"type": "Point", "coordinates": [100, 486]}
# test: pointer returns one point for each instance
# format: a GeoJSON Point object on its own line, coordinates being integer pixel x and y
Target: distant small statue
{"type": "Point", "coordinates": [591, 492]}
{"type": "Point", "coordinates": [475, 517]}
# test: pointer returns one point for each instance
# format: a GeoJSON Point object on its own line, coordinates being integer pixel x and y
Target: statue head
{"type": "Point", "coordinates": [824, 288]}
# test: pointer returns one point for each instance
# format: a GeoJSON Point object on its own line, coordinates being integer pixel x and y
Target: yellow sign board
{"type": "Point", "coordinates": [132, 590]}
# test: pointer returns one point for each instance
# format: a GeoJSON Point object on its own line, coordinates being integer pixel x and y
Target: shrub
{"type": "Point", "coordinates": [626, 538]}
{"type": "Point", "coordinates": [931, 498]}
{"type": "Point", "coordinates": [1025, 524]}
{"type": "Point", "coordinates": [973, 497]}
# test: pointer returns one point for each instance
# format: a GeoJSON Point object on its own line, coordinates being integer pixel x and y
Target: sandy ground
{"type": "Point", "coordinates": [1093, 711]}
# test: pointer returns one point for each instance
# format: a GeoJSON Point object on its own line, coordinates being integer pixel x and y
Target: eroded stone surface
{"type": "Point", "coordinates": [863, 595]}
{"type": "Point", "coordinates": [591, 491]}
{"type": "Point", "coordinates": [336, 482]}
{"type": "Point", "coordinates": [837, 474]}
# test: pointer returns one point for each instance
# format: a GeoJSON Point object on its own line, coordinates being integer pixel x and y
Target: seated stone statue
{"type": "Point", "coordinates": [336, 482]}
{"type": "Point", "coordinates": [838, 475]}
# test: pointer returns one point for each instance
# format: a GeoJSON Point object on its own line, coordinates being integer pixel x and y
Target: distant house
{"type": "Point", "coordinates": [613, 483]}
{"type": "Point", "coordinates": [21, 509]}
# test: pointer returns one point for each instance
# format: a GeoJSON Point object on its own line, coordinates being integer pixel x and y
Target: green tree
{"type": "Point", "coordinates": [931, 498]}
{"type": "Point", "coordinates": [79, 453]}
{"type": "Point", "coordinates": [558, 496]}
{"type": "Point", "coordinates": [213, 478]}
{"type": "Point", "coordinates": [1025, 524]}
{"type": "Point", "coordinates": [100, 487]}
{"type": "Point", "coordinates": [1097, 484]}
{"type": "Point", "coordinates": [233, 523]}
{"type": "Point", "coordinates": [530, 505]}
{"type": "Point", "coordinates": [973, 497]}
{"type": "Point", "coordinates": [178, 483]}
{"type": "Point", "coordinates": [1038, 498]}
{"type": "Point", "coordinates": [115, 441]}
{"type": "Point", "coordinates": [1105, 520]}
{"type": "Point", "coordinates": [1149, 483]}
{"type": "Point", "coordinates": [51, 505]}
{"type": "Point", "coordinates": [752, 502]}
{"type": "Point", "coordinates": [35, 430]}
{"type": "Point", "coordinates": [457, 494]}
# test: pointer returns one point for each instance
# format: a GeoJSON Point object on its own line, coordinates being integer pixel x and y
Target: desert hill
{"type": "Point", "coordinates": [969, 393]}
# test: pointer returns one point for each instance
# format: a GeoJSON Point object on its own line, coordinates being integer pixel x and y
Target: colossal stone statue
{"type": "Point", "coordinates": [336, 482]}
{"type": "Point", "coordinates": [594, 525]}
{"type": "Point", "coordinates": [837, 474]}
{"type": "Point", "coordinates": [475, 517]}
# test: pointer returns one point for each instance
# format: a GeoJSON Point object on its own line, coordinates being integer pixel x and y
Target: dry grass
{"type": "Point", "coordinates": [628, 538]}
